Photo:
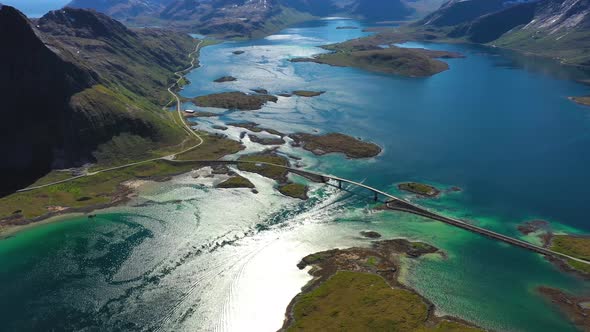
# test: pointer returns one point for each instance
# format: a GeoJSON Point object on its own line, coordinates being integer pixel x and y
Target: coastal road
{"type": "Point", "coordinates": [393, 203]}
{"type": "Point", "coordinates": [398, 204]}
{"type": "Point", "coordinates": [183, 124]}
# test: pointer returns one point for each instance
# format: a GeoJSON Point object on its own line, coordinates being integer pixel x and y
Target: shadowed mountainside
{"type": "Point", "coordinates": [553, 28]}
{"type": "Point", "coordinates": [78, 82]}
{"type": "Point", "coordinates": [249, 18]}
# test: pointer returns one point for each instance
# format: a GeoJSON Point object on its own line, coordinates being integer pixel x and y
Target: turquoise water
{"type": "Point", "coordinates": [498, 125]}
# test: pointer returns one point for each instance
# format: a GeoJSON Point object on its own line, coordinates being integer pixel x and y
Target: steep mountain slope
{"type": "Point", "coordinates": [558, 28]}
{"type": "Point", "coordinates": [456, 12]}
{"type": "Point", "coordinates": [249, 18]}
{"type": "Point", "coordinates": [555, 28]}
{"type": "Point", "coordinates": [121, 9]}
{"type": "Point", "coordinates": [79, 82]}
{"type": "Point", "coordinates": [369, 9]}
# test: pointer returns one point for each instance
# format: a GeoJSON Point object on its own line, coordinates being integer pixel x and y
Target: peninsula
{"type": "Point", "coordinates": [359, 288]}
{"type": "Point", "coordinates": [419, 189]}
{"type": "Point", "coordinates": [224, 79]}
{"type": "Point", "coordinates": [336, 143]}
{"type": "Point", "coordinates": [368, 55]}
{"type": "Point", "coordinates": [234, 100]}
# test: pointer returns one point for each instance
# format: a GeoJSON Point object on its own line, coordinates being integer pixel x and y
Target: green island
{"type": "Point", "coordinates": [295, 190]}
{"type": "Point", "coordinates": [234, 100]}
{"type": "Point", "coordinates": [106, 189]}
{"type": "Point", "coordinates": [368, 55]}
{"type": "Point", "coordinates": [255, 127]}
{"type": "Point", "coordinates": [308, 94]}
{"type": "Point", "coordinates": [419, 189]}
{"type": "Point", "coordinates": [575, 246]}
{"type": "Point", "coordinates": [336, 143]}
{"type": "Point", "coordinates": [260, 91]}
{"type": "Point", "coordinates": [285, 187]}
{"type": "Point", "coordinates": [271, 172]}
{"type": "Point", "coordinates": [225, 79]}
{"type": "Point", "coordinates": [236, 182]}
{"type": "Point", "coordinates": [266, 140]}
{"type": "Point", "coordinates": [585, 100]}
{"type": "Point", "coordinates": [370, 234]}
{"type": "Point", "coordinates": [200, 114]}
{"type": "Point", "coordinates": [358, 288]}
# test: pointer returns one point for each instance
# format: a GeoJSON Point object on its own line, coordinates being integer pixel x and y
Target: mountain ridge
{"type": "Point", "coordinates": [67, 93]}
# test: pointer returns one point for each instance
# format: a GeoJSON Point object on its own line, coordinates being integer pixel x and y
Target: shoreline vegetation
{"type": "Point", "coordinates": [234, 100]}
{"type": "Point", "coordinates": [280, 175]}
{"type": "Point", "coordinates": [570, 244]}
{"type": "Point", "coordinates": [359, 287]}
{"type": "Point", "coordinates": [421, 189]}
{"type": "Point", "coordinates": [224, 79]}
{"type": "Point", "coordinates": [584, 100]}
{"type": "Point", "coordinates": [336, 143]}
{"type": "Point", "coordinates": [369, 54]}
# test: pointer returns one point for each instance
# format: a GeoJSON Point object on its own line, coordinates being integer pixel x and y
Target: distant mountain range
{"type": "Point", "coordinates": [248, 18]}
{"type": "Point", "coordinates": [76, 83]}
{"type": "Point", "coordinates": [556, 28]}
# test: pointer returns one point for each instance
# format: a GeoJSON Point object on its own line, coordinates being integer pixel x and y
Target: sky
{"type": "Point", "coordinates": [35, 8]}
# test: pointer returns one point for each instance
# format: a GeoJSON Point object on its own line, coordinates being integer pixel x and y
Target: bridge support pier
{"type": "Point", "coordinates": [339, 184]}
{"type": "Point", "coordinates": [376, 197]}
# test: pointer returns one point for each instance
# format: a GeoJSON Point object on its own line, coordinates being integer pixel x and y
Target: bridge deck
{"type": "Point", "coordinates": [395, 203]}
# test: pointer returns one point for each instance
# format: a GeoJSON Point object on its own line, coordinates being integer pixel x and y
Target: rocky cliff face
{"type": "Point", "coordinates": [369, 9]}
{"type": "Point", "coordinates": [555, 28]}
{"type": "Point", "coordinates": [456, 12]}
{"type": "Point", "coordinates": [62, 95]}
{"type": "Point", "coordinates": [122, 9]}
{"type": "Point", "coordinates": [36, 82]}
{"type": "Point", "coordinates": [247, 18]}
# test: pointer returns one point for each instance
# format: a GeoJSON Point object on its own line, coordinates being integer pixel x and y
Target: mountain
{"type": "Point", "coordinates": [248, 18]}
{"type": "Point", "coordinates": [122, 9]}
{"type": "Point", "coordinates": [456, 12]}
{"type": "Point", "coordinates": [553, 28]}
{"type": "Point", "coordinates": [368, 9]}
{"type": "Point", "coordinates": [76, 83]}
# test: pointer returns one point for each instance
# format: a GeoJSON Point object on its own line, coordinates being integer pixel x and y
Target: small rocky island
{"type": "Point", "coordinates": [359, 288]}
{"type": "Point", "coordinates": [532, 226]}
{"type": "Point", "coordinates": [367, 55]}
{"type": "Point", "coordinates": [278, 174]}
{"type": "Point", "coordinates": [224, 79]}
{"type": "Point", "coordinates": [266, 140]}
{"type": "Point", "coordinates": [255, 127]}
{"type": "Point", "coordinates": [235, 181]}
{"type": "Point", "coordinates": [585, 100]}
{"type": "Point", "coordinates": [308, 94]}
{"type": "Point", "coordinates": [577, 308]}
{"type": "Point", "coordinates": [419, 189]}
{"type": "Point", "coordinates": [336, 143]}
{"type": "Point", "coordinates": [234, 100]}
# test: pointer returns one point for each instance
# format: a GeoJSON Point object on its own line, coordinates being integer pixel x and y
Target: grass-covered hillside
{"type": "Point", "coordinates": [80, 87]}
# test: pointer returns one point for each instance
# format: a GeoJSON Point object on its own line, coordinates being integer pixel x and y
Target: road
{"type": "Point", "coordinates": [394, 203]}
{"type": "Point", "coordinates": [183, 124]}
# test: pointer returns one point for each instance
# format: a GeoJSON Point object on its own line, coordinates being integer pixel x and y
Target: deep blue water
{"type": "Point", "coordinates": [497, 124]}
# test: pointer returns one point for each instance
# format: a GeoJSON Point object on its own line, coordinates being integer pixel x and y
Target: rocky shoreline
{"type": "Point", "coordinates": [336, 143]}
{"type": "Point", "coordinates": [380, 262]}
